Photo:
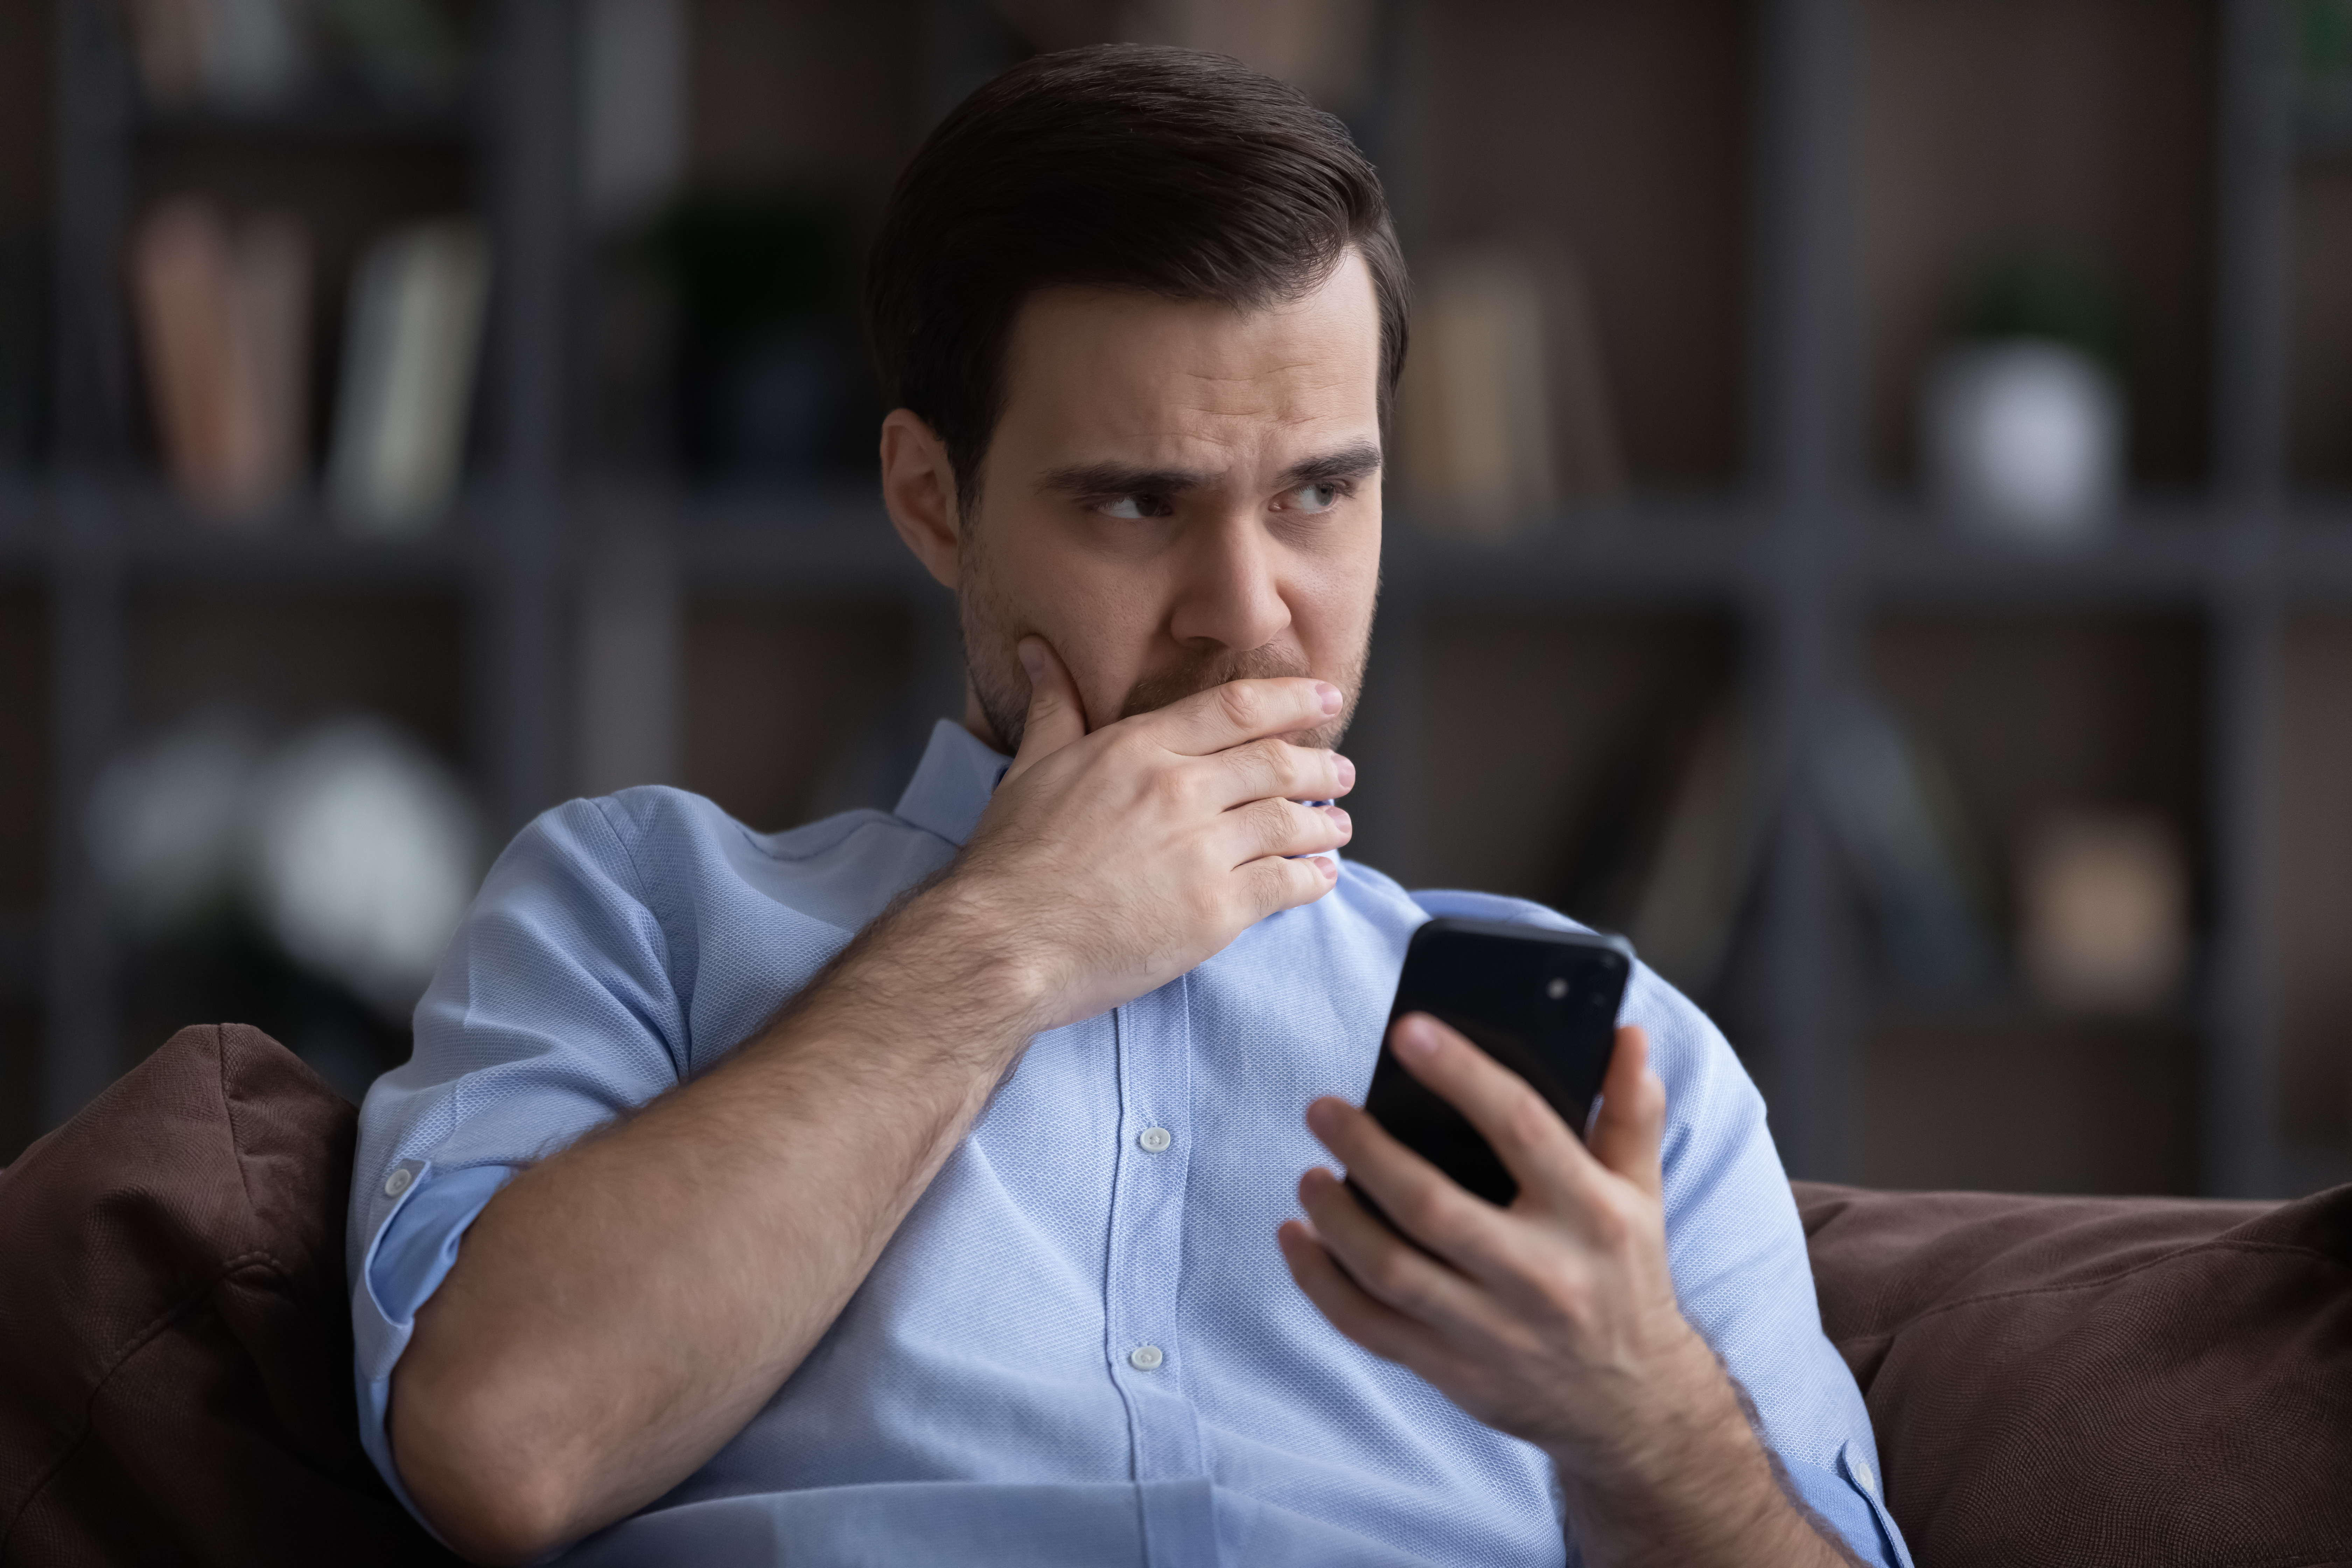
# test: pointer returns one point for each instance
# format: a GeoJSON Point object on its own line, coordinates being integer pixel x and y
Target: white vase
{"type": "Point", "coordinates": [2023, 437]}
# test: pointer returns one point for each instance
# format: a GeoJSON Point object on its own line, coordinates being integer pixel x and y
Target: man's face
{"type": "Point", "coordinates": [1177, 495]}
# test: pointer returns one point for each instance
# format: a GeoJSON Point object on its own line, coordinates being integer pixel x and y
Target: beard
{"type": "Point", "coordinates": [993, 631]}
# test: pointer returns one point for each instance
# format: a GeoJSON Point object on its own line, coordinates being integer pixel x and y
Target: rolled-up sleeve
{"type": "Point", "coordinates": [553, 1011]}
{"type": "Point", "coordinates": [1745, 1279]}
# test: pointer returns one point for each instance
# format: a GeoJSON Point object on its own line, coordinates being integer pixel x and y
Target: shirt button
{"type": "Point", "coordinates": [399, 1182]}
{"type": "Point", "coordinates": [1144, 1358]}
{"type": "Point", "coordinates": [1862, 1473]}
{"type": "Point", "coordinates": [1155, 1139]}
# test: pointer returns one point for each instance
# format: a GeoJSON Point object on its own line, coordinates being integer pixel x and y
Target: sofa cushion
{"type": "Point", "coordinates": [2089, 1381]}
{"type": "Point", "coordinates": [176, 1352]}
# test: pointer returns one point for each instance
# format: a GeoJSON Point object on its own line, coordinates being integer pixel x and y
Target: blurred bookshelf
{"type": "Point", "coordinates": [1771, 203]}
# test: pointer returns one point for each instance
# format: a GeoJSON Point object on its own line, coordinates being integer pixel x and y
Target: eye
{"type": "Point", "coordinates": [1314, 498]}
{"type": "Point", "coordinates": [1135, 506]}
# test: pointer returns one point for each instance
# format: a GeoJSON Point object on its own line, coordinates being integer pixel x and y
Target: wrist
{"type": "Point", "coordinates": [1690, 1471]}
{"type": "Point", "coordinates": [951, 960]}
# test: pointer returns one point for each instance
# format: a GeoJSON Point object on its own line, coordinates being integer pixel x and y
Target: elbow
{"type": "Point", "coordinates": [492, 1492]}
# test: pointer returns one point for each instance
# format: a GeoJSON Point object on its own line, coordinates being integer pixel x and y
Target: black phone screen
{"type": "Point", "coordinates": [1542, 1003]}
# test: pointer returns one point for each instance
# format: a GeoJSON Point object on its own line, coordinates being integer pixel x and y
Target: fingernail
{"type": "Point", "coordinates": [1339, 815]}
{"type": "Point", "coordinates": [1347, 771]}
{"type": "Point", "coordinates": [1321, 1117]}
{"type": "Point", "coordinates": [1330, 867]}
{"type": "Point", "coordinates": [1033, 656]}
{"type": "Point", "coordinates": [1330, 695]}
{"type": "Point", "coordinates": [1414, 1039]}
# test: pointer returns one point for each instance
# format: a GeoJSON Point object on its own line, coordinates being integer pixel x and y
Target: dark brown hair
{"type": "Point", "coordinates": [1127, 166]}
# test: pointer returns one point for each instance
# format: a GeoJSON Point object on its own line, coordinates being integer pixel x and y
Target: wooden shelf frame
{"type": "Point", "coordinates": [1804, 555]}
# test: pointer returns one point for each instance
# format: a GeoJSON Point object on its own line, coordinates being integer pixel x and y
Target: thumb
{"type": "Point", "coordinates": [1056, 715]}
{"type": "Point", "coordinates": [1633, 1116]}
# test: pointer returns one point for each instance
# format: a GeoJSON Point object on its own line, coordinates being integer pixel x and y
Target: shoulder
{"type": "Point", "coordinates": [1461, 904]}
{"type": "Point", "coordinates": [661, 820]}
{"type": "Point", "coordinates": [675, 852]}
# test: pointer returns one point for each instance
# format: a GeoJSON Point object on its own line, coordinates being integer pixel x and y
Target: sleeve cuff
{"type": "Point", "coordinates": [410, 1255]}
{"type": "Point", "coordinates": [1848, 1500]}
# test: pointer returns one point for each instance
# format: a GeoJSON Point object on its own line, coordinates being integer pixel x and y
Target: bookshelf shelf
{"type": "Point", "coordinates": [321, 120]}
{"type": "Point", "coordinates": [1749, 189]}
{"type": "Point", "coordinates": [1662, 552]}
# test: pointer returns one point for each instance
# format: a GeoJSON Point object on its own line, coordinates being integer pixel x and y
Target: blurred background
{"type": "Point", "coordinates": [1871, 511]}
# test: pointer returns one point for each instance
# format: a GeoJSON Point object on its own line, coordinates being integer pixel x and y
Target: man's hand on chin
{"type": "Point", "coordinates": [1553, 1320]}
{"type": "Point", "coordinates": [1109, 863]}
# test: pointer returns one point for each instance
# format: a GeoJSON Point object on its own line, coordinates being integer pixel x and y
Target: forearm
{"type": "Point", "coordinates": [1695, 1490]}
{"type": "Point", "coordinates": [621, 1310]}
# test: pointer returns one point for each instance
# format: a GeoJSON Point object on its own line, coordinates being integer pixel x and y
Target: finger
{"type": "Point", "coordinates": [1378, 1327]}
{"type": "Point", "coordinates": [1225, 716]}
{"type": "Point", "coordinates": [1279, 882]}
{"type": "Point", "coordinates": [1525, 1134]}
{"type": "Point", "coordinates": [1383, 1266]}
{"type": "Point", "coordinates": [1268, 770]}
{"type": "Point", "coordinates": [1418, 1199]}
{"type": "Point", "coordinates": [1279, 827]}
{"type": "Point", "coordinates": [1631, 1122]}
{"type": "Point", "coordinates": [1057, 714]}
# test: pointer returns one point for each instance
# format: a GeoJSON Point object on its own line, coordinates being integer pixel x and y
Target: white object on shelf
{"type": "Point", "coordinates": [362, 855]}
{"type": "Point", "coordinates": [2024, 438]}
{"type": "Point", "coordinates": [408, 376]}
{"type": "Point", "coordinates": [164, 817]}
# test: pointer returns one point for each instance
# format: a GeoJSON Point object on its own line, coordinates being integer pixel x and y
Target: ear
{"type": "Point", "coordinates": [918, 488]}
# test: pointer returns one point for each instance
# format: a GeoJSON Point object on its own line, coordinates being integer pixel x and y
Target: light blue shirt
{"type": "Point", "coordinates": [987, 1397]}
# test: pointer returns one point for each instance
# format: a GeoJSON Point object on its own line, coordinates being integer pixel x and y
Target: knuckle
{"type": "Point", "coordinates": [1235, 700]}
{"type": "Point", "coordinates": [1614, 1222]}
{"type": "Point", "coordinates": [1252, 767]}
{"type": "Point", "coordinates": [1169, 790]}
{"type": "Point", "coordinates": [1389, 1275]}
{"type": "Point", "coordinates": [1289, 882]}
{"type": "Point", "coordinates": [1271, 819]}
{"type": "Point", "coordinates": [1272, 766]}
{"type": "Point", "coordinates": [1527, 1119]}
{"type": "Point", "coordinates": [1425, 1210]}
{"type": "Point", "coordinates": [1569, 1295]}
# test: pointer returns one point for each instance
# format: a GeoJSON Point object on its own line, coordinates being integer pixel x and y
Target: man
{"type": "Point", "coordinates": [919, 1186]}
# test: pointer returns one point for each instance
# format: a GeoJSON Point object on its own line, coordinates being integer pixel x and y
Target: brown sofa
{"type": "Point", "coordinates": [2063, 1381]}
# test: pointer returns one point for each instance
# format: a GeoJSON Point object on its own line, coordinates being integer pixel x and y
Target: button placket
{"type": "Point", "coordinates": [1146, 1251]}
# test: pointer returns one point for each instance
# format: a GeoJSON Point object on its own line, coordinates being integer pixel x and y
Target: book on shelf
{"type": "Point", "coordinates": [1504, 410]}
{"type": "Point", "coordinates": [2103, 900]}
{"type": "Point", "coordinates": [1706, 860]}
{"type": "Point", "coordinates": [223, 314]}
{"type": "Point", "coordinates": [409, 357]}
{"type": "Point", "coordinates": [245, 52]}
{"type": "Point", "coordinates": [260, 54]}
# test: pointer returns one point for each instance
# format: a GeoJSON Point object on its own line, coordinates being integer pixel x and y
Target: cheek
{"type": "Point", "coordinates": [1100, 615]}
{"type": "Point", "coordinates": [1331, 607]}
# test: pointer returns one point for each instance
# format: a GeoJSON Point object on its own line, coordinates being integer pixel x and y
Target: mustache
{"type": "Point", "coordinates": [1163, 687]}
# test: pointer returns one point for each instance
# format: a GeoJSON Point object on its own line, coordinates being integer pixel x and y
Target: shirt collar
{"type": "Point", "coordinates": [953, 782]}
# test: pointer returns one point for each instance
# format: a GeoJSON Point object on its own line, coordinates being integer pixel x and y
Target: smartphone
{"type": "Point", "coordinates": [1542, 1003]}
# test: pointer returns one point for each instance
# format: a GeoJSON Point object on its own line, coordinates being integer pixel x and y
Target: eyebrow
{"type": "Point", "coordinates": [1347, 463]}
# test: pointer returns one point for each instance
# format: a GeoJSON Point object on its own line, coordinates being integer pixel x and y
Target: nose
{"type": "Point", "coordinates": [1231, 595]}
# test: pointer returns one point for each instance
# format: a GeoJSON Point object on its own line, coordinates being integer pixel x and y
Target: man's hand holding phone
{"type": "Point", "coordinates": [1553, 1319]}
